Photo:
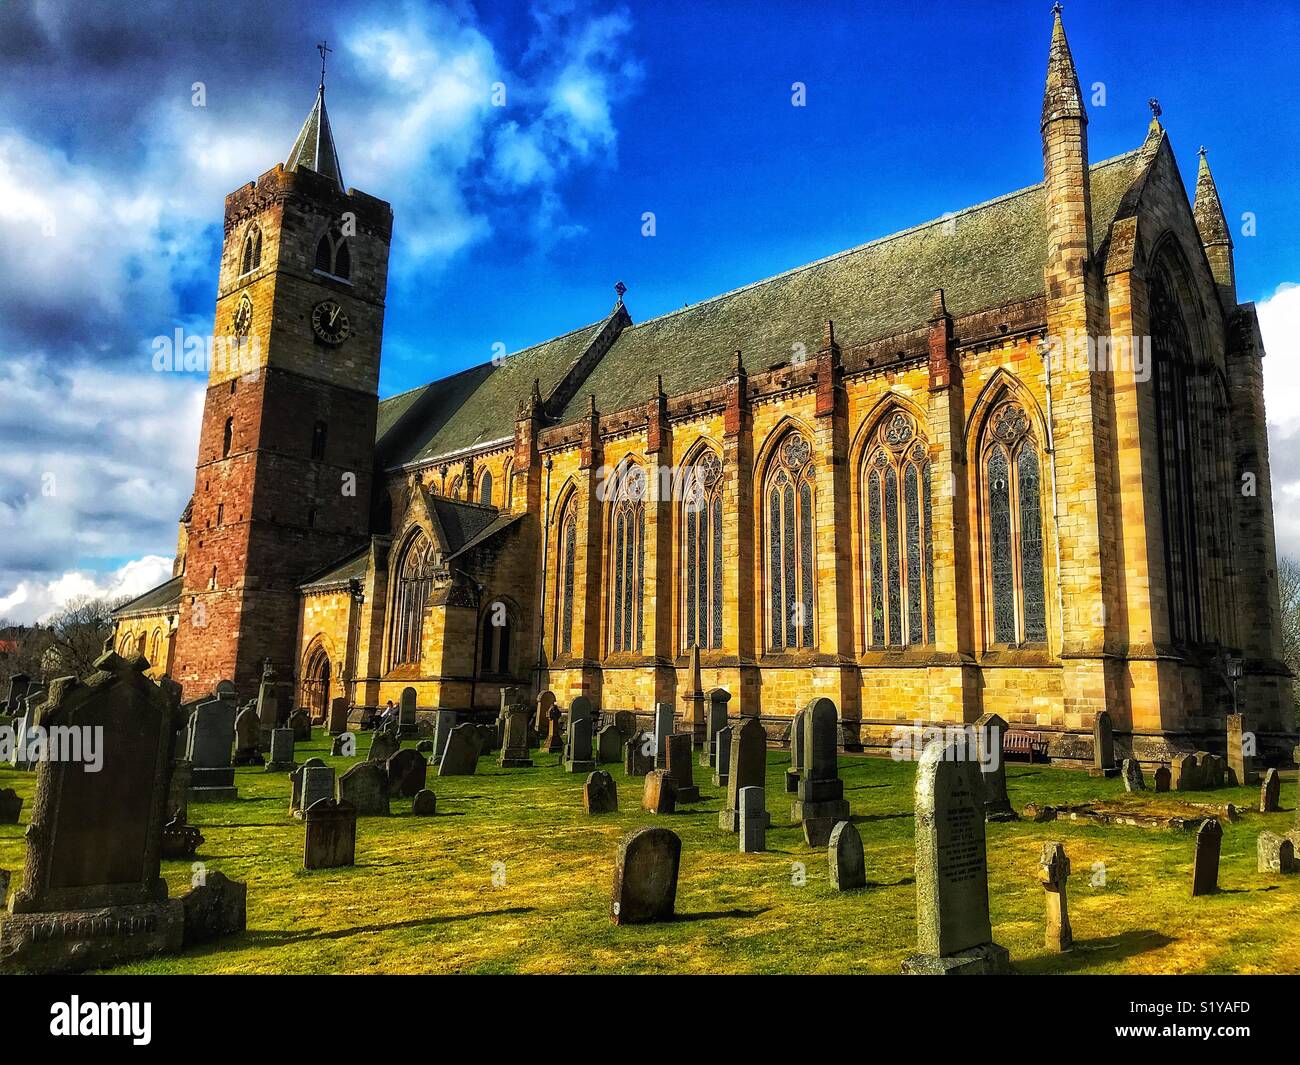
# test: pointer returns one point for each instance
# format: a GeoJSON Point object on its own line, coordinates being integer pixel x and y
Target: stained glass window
{"type": "Point", "coordinates": [1004, 590]}
{"type": "Point", "coordinates": [570, 545]}
{"type": "Point", "coordinates": [626, 592]}
{"type": "Point", "coordinates": [929, 555]}
{"type": "Point", "coordinates": [411, 597]}
{"type": "Point", "coordinates": [702, 551]}
{"type": "Point", "coordinates": [715, 639]}
{"type": "Point", "coordinates": [807, 575]}
{"type": "Point", "coordinates": [877, 561]}
{"type": "Point", "coordinates": [912, 502]}
{"type": "Point", "coordinates": [893, 572]}
{"type": "Point", "coordinates": [791, 550]}
{"type": "Point", "coordinates": [692, 563]}
{"type": "Point", "coordinates": [774, 582]}
{"type": "Point", "coordinates": [1031, 545]}
{"type": "Point", "coordinates": [485, 488]}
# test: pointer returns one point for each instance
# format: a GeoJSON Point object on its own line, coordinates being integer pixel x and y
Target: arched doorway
{"type": "Point", "coordinates": [316, 683]}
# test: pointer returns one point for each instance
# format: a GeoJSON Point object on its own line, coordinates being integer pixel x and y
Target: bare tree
{"type": "Point", "coordinates": [1288, 586]}
{"type": "Point", "coordinates": [24, 648]}
{"type": "Point", "coordinates": [77, 635]}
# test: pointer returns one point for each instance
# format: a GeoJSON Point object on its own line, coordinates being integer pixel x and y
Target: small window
{"type": "Point", "coordinates": [212, 580]}
{"type": "Point", "coordinates": [233, 382]}
{"type": "Point", "coordinates": [485, 489]}
{"type": "Point", "coordinates": [318, 441]}
{"type": "Point", "coordinates": [227, 437]}
{"type": "Point", "coordinates": [324, 255]}
{"type": "Point", "coordinates": [311, 517]}
{"type": "Point", "coordinates": [333, 256]}
{"type": "Point", "coordinates": [221, 512]}
{"type": "Point", "coordinates": [252, 251]}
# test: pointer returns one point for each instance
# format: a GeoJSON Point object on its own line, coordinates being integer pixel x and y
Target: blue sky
{"type": "Point", "coordinates": [513, 223]}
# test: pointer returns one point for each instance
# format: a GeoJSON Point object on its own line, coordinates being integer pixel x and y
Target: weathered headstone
{"type": "Point", "coordinates": [331, 836]}
{"type": "Point", "coordinates": [316, 783]}
{"type": "Point", "coordinates": [1270, 792]}
{"type": "Point", "coordinates": [698, 729]}
{"type": "Point", "coordinates": [281, 760]}
{"type": "Point", "coordinates": [542, 720]}
{"type": "Point", "coordinates": [1214, 769]}
{"type": "Point", "coordinates": [1184, 773]}
{"type": "Point", "coordinates": [554, 731]}
{"type": "Point", "coordinates": [715, 719]}
{"type": "Point", "coordinates": [336, 721]}
{"type": "Point", "coordinates": [645, 876]}
{"type": "Point", "coordinates": [1132, 772]}
{"type": "Point", "coordinates": [406, 715]}
{"type": "Point", "coordinates": [1103, 746]}
{"type": "Point", "coordinates": [444, 721]}
{"type": "Point", "coordinates": [300, 722]}
{"type": "Point", "coordinates": [217, 907]}
{"type": "Point", "coordinates": [663, 728]}
{"type": "Point", "coordinates": [953, 932]}
{"type": "Point", "coordinates": [660, 793]}
{"type": "Point", "coordinates": [212, 734]}
{"type": "Point", "coordinates": [1053, 872]}
{"type": "Point", "coordinates": [178, 790]}
{"type": "Point", "coordinates": [460, 756]}
{"type": "Point", "coordinates": [425, 803]}
{"type": "Point", "coordinates": [1205, 866]}
{"type": "Point", "coordinates": [844, 857]}
{"type": "Point", "coordinates": [753, 820]}
{"type": "Point", "coordinates": [748, 768]}
{"type": "Point", "coordinates": [383, 746]}
{"type": "Point", "coordinates": [365, 787]}
{"type": "Point", "coordinates": [638, 755]}
{"type": "Point", "coordinates": [798, 753]}
{"type": "Point", "coordinates": [817, 830]}
{"type": "Point", "coordinates": [1241, 764]}
{"type": "Point", "coordinates": [600, 794]}
{"type": "Point", "coordinates": [821, 792]}
{"type": "Point", "coordinates": [248, 737]}
{"type": "Point", "coordinates": [19, 683]}
{"type": "Point", "coordinates": [625, 722]}
{"type": "Point", "coordinates": [295, 784]}
{"type": "Point", "coordinates": [515, 753]}
{"type": "Point", "coordinates": [179, 840]}
{"type": "Point", "coordinates": [11, 805]}
{"type": "Point", "coordinates": [406, 773]}
{"type": "Point", "coordinates": [1276, 854]}
{"type": "Point", "coordinates": [1161, 778]}
{"type": "Point", "coordinates": [609, 745]}
{"type": "Point", "coordinates": [577, 755]}
{"type": "Point", "coordinates": [990, 732]}
{"type": "Point", "coordinates": [722, 756]}
{"type": "Point", "coordinates": [678, 766]}
{"type": "Point", "coordinates": [91, 894]}
{"type": "Point", "coordinates": [268, 705]}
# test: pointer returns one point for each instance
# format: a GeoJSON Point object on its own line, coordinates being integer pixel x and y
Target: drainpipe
{"type": "Point", "coordinates": [541, 589]}
{"type": "Point", "coordinates": [1045, 351]}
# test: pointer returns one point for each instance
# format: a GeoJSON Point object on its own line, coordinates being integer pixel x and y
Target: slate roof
{"type": "Point", "coordinates": [156, 600]}
{"type": "Point", "coordinates": [460, 523]}
{"type": "Point", "coordinates": [349, 567]}
{"type": "Point", "coordinates": [314, 147]}
{"type": "Point", "coordinates": [986, 255]}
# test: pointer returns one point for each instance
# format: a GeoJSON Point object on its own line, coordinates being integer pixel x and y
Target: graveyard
{"type": "Point", "coordinates": [510, 874]}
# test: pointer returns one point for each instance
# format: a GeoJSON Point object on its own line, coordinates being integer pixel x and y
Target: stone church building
{"type": "Point", "coordinates": [1013, 460]}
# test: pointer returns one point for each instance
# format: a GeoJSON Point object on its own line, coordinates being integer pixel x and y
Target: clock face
{"type": "Point", "coordinates": [330, 323]}
{"type": "Point", "coordinates": [242, 323]}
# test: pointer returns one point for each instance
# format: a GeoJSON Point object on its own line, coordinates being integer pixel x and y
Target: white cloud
{"type": "Point", "coordinates": [35, 601]}
{"type": "Point", "coordinates": [1279, 321]}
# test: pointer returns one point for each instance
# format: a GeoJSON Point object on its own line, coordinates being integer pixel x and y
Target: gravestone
{"type": "Point", "coordinates": [488, 740]}
{"type": "Point", "coordinates": [638, 755]}
{"type": "Point", "coordinates": [300, 722]}
{"type": "Point", "coordinates": [1240, 764]}
{"type": "Point", "coordinates": [645, 877]}
{"type": "Point", "coordinates": [600, 794]}
{"type": "Point", "coordinates": [821, 792]}
{"type": "Point", "coordinates": [577, 755]}
{"type": "Point", "coordinates": [1214, 769]}
{"type": "Point", "coordinates": [1275, 854]}
{"type": "Point", "coordinates": [268, 706]}
{"type": "Point", "coordinates": [19, 683]}
{"type": "Point", "coordinates": [1103, 746]}
{"type": "Point", "coordinates": [406, 729]}
{"type": "Point", "coordinates": [460, 756]}
{"type": "Point", "coordinates": [699, 725]}
{"type": "Point", "coordinates": [18, 759]}
{"type": "Point", "coordinates": [542, 720]}
{"type": "Point", "coordinates": [1270, 792]}
{"type": "Point", "coordinates": [316, 783]}
{"type": "Point", "coordinates": [212, 734]}
{"type": "Point", "coordinates": [248, 737]}
{"type": "Point", "coordinates": [1132, 772]}
{"type": "Point", "coordinates": [331, 837]}
{"type": "Point", "coordinates": [179, 840]}
{"type": "Point", "coordinates": [1184, 773]}
{"type": "Point", "coordinates": [953, 933]}
{"type": "Point", "coordinates": [178, 790]}
{"type": "Point", "coordinates": [798, 753]}
{"type": "Point", "coordinates": [425, 803]}
{"type": "Point", "coordinates": [990, 732]}
{"type": "Point", "coordinates": [217, 907]}
{"type": "Point", "coordinates": [1161, 778]}
{"type": "Point", "coordinates": [748, 768]}
{"type": "Point", "coordinates": [383, 746]}
{"type": "Point", "coordinates": [609, 745]}
{"type": "Point", "coordinates": [336, 721]}
{"type": "Point", "coordinates": [1205, 865]}
{"type": "Point", "coordinates": [281, 759]}
{"type": "Point", "coordinates": [365, 787]}
{"type": "Point", "coordinates": [295, 784]}
{"type": "Point", "coordinates": [444, 721]}
{"type": "Point", "coordinates": [11, 805]}
{"type": "Point", "coordinates": [678, 766]}
{"type": "Point", "coordinates": [722, 756]}
{"type": "Point", "coordinates": [845, 859]}
{"type": "Point", "coordinates": [1053, 872]}
{"type": "Point", "coordinates": [753, 820]}
{"type": "Point", "coordinates": [715, 719]}
{"type": "Point", "coordinates": [92, 895]}
{"type": "Point", "coordinates": [817, 830]}
{"type": "Point", "coordinates": [406, 771]}
{"type": "Point", "coordinates": [660, 793]}
{"type": "Point", "coordinates": [515, 753]}
{"type": "Point", "coordinates": [663, 728]}
{"type": "Point", "coordinates": [554, 731]}
{"type": "Point", "coordinates": [625, 722]}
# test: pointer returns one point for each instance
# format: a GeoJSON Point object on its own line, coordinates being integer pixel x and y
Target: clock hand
{"type": "Point", "coordinates": [333, 316]}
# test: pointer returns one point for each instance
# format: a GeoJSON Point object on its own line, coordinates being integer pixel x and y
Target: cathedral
{"type": "Point", "coordinates": [1010, 461]}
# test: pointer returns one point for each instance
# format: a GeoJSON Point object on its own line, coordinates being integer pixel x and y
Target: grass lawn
{"type": "Point", "coordinates": [422, 896]}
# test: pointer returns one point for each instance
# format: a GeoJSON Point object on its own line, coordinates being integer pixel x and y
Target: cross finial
{"type": "Point", "coordinates": [324, 50]}
{"type": "Point", "coordinates": [1154, 104]}
{"type": "Point", "coordinates": [1201, 153]}
{"type": "Point", "coordinates": [1057, 8]}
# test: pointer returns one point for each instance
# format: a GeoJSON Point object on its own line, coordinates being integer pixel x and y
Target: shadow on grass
{"type": "Point", "coordinates": [1087, 953]}
{"type": "Point", "coordinates": [864, 818]}
{"type": "Point", "coordinates": [273, 938]}
{"type": "Point", "coordinates": [715, 915]}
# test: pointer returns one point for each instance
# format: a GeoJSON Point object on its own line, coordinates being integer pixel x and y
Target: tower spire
{"type": "Point", "coordinates": [1061, 98]}
{"type": "Point", "coordinates": [1212, 225]}
{"type": "Point", "coordinates": [314, 147]}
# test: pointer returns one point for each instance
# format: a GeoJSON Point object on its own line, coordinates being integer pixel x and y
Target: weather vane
{"type": "Point", "coordinates": [324, 50]}
{"type": "Point", "coordinates": [1154, 104]}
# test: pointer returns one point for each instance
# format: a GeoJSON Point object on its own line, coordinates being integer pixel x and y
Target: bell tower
{"type": "Point", "coordinates": [286, 451]}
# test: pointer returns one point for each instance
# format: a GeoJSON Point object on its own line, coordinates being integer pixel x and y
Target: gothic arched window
{"type": "Point", "coordinates": [332, 255]}
{"type": "Point", "coordinates": [495, 654]}
{"type": "Point", "coordinates": [568, 547]}
{"type": "Point", "coordinates": [1011, 478]}
{"type": "Point", "coordinates": [702, 552]}
{"type": "Point", "coordinates": [627, 553]}
{"type": "Point", "coordinates": [485, 488]}
{"type": "Point", "coordinates": [252, 251]}
{"type": "Point", "coordinates": [789, 554]}
{"type": "Point", "coordinates": [318, 440]}
{"type": "Point", "coordinates": [410, 600]}
{"type": "Point", "coordinates": [227, 437]}
{"type": "Point", "coordinates": [899, 562]}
